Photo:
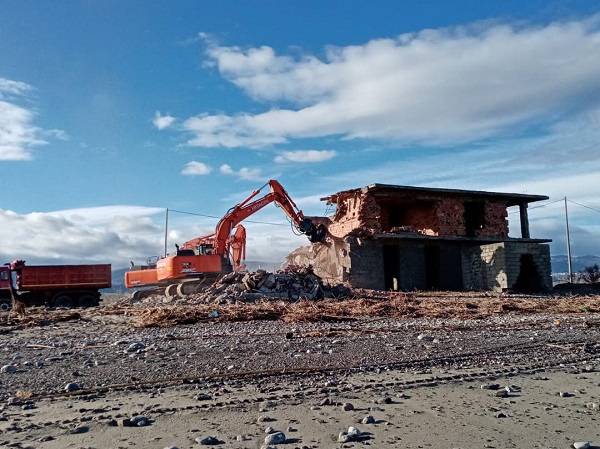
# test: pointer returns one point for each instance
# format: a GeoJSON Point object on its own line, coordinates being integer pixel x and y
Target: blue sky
{"type": "Point", "coordinates": [112, 111]}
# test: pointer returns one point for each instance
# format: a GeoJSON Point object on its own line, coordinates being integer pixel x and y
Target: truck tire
{"type": "Point", "coordinates": [62, 301]}
{"type": "Point", "coordinates": [88, 300]}
{"type": "Point", "coordinates": [5, 304]}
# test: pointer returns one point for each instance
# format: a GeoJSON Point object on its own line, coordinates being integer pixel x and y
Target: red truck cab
{"type": "Point", "coordinates": [5, 287]}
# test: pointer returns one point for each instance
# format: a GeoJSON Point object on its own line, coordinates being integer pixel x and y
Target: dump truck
{"type": "Point", "coordinates": [52, 285]}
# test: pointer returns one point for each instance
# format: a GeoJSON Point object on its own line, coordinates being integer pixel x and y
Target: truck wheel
{"type": "Point", "coordinates": [62, 301]}
{"type": "Point", "coordinates": [5, 304]}
{"type": "Point", "coordinates": [88, 300]}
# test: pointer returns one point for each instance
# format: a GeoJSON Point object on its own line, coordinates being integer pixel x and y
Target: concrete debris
{"type": "Point", "coordinates": [291, 284]}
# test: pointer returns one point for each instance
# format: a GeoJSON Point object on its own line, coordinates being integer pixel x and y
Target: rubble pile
{"type": "Point", "coordinates": [291, 284]}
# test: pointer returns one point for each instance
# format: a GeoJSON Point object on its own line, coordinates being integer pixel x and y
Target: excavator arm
{"type": "Point", "coordinates": [249, 206]}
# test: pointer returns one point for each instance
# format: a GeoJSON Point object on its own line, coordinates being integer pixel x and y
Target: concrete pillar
{"type": "Point", "coordinates": [524, 220]}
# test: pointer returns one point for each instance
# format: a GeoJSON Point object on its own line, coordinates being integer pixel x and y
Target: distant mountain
{"type": "Point", "coordinates": [578, 263]}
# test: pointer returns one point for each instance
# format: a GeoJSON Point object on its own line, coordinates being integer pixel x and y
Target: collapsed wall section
{"type": "Point", "coordinates": [364, 212]}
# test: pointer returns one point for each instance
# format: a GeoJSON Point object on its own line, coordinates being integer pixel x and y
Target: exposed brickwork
{"type": "Point", "coordinates": [406, 238]}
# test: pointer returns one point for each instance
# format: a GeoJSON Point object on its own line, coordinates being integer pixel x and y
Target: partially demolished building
{"type": "Point", "coordinates": [389, 237]}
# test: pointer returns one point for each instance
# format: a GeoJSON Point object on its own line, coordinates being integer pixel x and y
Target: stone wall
{"type": "Point", "coordinates": [499, 266]}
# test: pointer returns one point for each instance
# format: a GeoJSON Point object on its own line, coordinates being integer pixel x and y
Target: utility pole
{"type": "Point", "coordinates": [568, 244]}
{"type": "Point", "coordinates": [167, 230]}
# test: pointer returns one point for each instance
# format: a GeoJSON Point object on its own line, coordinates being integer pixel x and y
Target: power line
{"type": "Point", "coordinates": [538, 207]}
{"type": "Point", "coordinates": [583, 205]}
{"type": "Point", "coordinates": [213, 216]}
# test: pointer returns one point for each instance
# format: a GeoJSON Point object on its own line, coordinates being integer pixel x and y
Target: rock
{"type": "Point", "coordinates": [565, 394]}
{"type": "Point", "coordinates": [326, 401]}
{"type": "Point", "coordinates": [171, 447]}
{"type": "Point", "coordinates": [46, 438]}
{"type": "Point", "coordinates": [8, 369]}
{"type": "Point", "coordinates": [275, 438]}
{"type": "Point", "coordinates": [265, 418]}
{"type": "Point", "coordinates": [135, 347]}
{"type": "Point", "coordinates": [592, 405]}
{"type": "Point", "coordinates": [13, 401]}
{"type": "Point", "coordinates": [207, 441]}
{"type": "Point", "coordinates": [203, 397]}
{"type": "Point", "coordinates": [124, 422]}
{"type": "Point", "coordinates": [368, 420]}
{"type": "Point", "coordinates": [502, 393]}
{"type": "Point", "coordinates": [343, 437]}
{"type": "Point", "coordinates": [79, 429]}
{"type": "Point", "coordinates": [72, 386]}
{"type": "Point", "coordinates": [490, 387]}
{"type": "Point", "coordinates": [581, 445]}
{"type": "Point", "coordinates": [425, 337]}
{"type": "Point", "coordinates": [347, 406]}
{"type": "Point", "coordinates": [270, 430]}
{"type": "Point", "coordinates": [354, 432]}
{"type": "Point", "coordinates": [140, 421]}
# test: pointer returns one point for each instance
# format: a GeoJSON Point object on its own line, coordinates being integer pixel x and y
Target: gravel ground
{"type": "Point", "coordinates": [101, 351]}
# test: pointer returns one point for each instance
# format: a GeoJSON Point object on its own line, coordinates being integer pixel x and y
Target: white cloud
{"type": "Point", "coordinates": [305, 156]}
{"type": "Point", "coordinates": [229, 132]}
{"type": "Point", "coordinates": [245, 173]}
{"type": "Point", "coordinates": [443, 86]}
{"type": "Point", "coordinates": [18, 134]}
{"type": "Point", "coordinates": [113, 234]}
{"type": "Point", "coordinates": [162, 121]}
{"type": "Point", "coordinates": [194, 168]}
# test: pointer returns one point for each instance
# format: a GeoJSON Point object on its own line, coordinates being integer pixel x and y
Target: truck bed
{"type": "Point", "coordinates": [44, 277]}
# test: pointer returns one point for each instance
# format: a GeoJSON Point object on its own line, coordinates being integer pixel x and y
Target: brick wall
{"type": "Point", "coordinates": [442, 217]}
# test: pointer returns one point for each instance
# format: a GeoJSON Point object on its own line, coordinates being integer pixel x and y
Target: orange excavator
{"type": "Point", "coordinates": [200, 261]}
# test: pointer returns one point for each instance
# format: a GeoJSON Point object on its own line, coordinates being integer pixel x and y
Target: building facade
{"type": "Point", "coordinates": [388, 237]}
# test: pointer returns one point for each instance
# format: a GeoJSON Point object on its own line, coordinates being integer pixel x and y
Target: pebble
{"type": "Point", "coordinates": [133, 347]}
{"type": "Point", "coordinates": [347, 406]}
{"type": "Point", "coordinates": [354, 432]}
{"type": "Point", "coordinates": [275, 438]}
{"type": "Point", "coordinates": [170, 447]}
{"type": "Point", "coordinates": [72, 386]}
{"type": "Point", "coordinates": [269, 430]}
{"type": "Point", "coordinates": [203, 397]}
{"type": "Point", "coordinates": [140, 421]}
{"type": "Point", "coordinates": [565, 394]}
{"type": "Point", "coordinates": [581, 445]}
{"type": "Point", "coordinates": [368, 420]}
{"type": "Point", "coordinates": [326, 401]}
{"type": "Point", "coordinates": [265, 418]}
{"type": "Point", "coordinates": [343, 437]}
{"type": "Point", "coordinates": [425, 337]}
{"type": "Point", "coordinates": [8, 369]}
{"type": "Point", "coordinates": [207, 441]}
{"type": "Point", "coordinates": [502, 393]}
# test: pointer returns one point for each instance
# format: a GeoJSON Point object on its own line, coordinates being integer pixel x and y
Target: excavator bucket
{"type": "Point", "coordinates": [318, 234]}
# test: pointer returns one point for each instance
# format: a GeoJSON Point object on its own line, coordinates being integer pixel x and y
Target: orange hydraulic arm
{"type": "Point", "coordinates": [248, 207]}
